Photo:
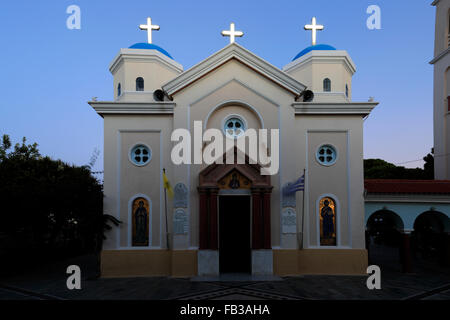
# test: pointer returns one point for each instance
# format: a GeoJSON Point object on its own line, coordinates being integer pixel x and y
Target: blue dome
{"type": "Point", "coordinates": [311, 48]}
{"type": "Point", "coordinates": [150, 46]}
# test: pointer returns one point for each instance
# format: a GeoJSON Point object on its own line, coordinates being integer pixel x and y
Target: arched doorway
{"type": "Point", "coordinates": [385, 226]}
{"type": "Point", "coordinates": [234, 213]}
{"type": "Point", "coordinates": [431, 237]}
{"type": "Point", "coordinates": [384, 239]}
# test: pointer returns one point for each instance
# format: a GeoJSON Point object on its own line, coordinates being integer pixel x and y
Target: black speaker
{"type": "Point", "coordinates": [158, 95]}
{"type": "Point", "coordinates": [308, 96]}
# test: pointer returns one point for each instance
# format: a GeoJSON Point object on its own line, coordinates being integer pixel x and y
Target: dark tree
{"type": "Point", "coordinates": [49, 208]}
{"type": "Point", "coordinates": [380, 169]}
{"type": "Point", "coordinates": [428, 167]}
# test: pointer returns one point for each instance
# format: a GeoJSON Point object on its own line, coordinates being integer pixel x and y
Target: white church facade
{"type": "Point", "coordinates": [228, 217]}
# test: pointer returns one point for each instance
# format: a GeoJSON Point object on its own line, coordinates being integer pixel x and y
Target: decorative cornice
{"type": "Point", "coordinates": [439, 56]}
{"type": "Point", "coordinates": [407, 198]}
{"type": "Point", "coordinates": [109, 107]}
{"type": "Point", "coordinates": [435, 2]}
{"type": "Point", "coordinates": [234, 51]}
{"type": "Point", "coordinates": [323, 57]}
{"type": "Point", "coordinates": [143, 55]}
{"type": "Point", "coordinates": [356, 108]}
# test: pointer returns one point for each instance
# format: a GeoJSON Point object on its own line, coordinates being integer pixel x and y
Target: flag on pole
{"type": "Point", "coordinates": [298, 185]}
{"type": "Point", "coordinates": [167, 189]}
{"type": "Point", "coordinates": [167, 185]}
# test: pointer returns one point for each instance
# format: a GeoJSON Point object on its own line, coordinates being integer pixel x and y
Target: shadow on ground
{"type": "Point", "coordinates": [429, 281]}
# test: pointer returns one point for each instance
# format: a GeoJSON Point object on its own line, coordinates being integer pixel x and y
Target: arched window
{"type": "Point", "coordinates": [326, 85]}
{"type": "Point", "coordinates": [140, 84]}
{"type": "Point", "coordinates": [346, 90]}
{"type": "Point", "coordinates": [327, 218]}
{"type": "Point", "coordinates": [119, 90]}
{"type": "Point", "coordinates": [140, 222]}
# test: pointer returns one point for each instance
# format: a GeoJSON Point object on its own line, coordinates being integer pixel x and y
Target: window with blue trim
{"type": "Point", "coordinates": [234, 127]}
{"type": "Point", "coordinates": [326, 155]}
{"type": "Point", "coordinates": [140, 155]}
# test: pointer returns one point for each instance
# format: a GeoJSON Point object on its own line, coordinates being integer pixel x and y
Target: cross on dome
{"type": "Point", "coordinates": [149, 27]}
{"type": "Point", "coordinates": [314, 27]}
{"type": "Point", "coordinates": [232, 33]}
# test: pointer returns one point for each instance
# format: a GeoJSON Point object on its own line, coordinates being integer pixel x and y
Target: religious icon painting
{"type": "Point", "coordinates": [327, 215]}
{"type": "Point", "coordinates": [234, 180]}
{"type": "Point", "coordinates": [140, 222]}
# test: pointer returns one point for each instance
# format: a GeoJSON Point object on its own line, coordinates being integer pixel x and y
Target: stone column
{"type": "Point", "coordinates": [256, 220]}
{"type": "Point", "coordinates": [213, 224]}
{"type": "Point", "coordinates": [208, 255]}
{"type": "Point", "coordinates": [267, 243]}
{"type": "Point", "coordinates": [447, 249]}
{"type": "Point", "coordinates": [203, 230]}
{"type": "Point", "coordinates": [405, 252]}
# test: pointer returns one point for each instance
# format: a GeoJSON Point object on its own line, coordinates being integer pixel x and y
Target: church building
{"type": "Point", "coordinates": [306, 218]}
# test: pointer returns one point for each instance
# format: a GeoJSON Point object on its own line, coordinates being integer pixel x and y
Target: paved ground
{"type": "Point", "coordinates": [49, 282]}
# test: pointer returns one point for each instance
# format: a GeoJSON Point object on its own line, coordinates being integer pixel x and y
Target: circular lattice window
{"type": "Point", "coordinates": [140, 155]}
{"type": "Point", "coordinates": [234, 126]}
{"type": "Point", "coordinates": [326, 155]}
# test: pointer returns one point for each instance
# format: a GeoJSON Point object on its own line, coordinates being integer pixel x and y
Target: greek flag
{"type": "Point", "coordinates": [298, 185]}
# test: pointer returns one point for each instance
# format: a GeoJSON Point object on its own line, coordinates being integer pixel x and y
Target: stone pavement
{"type": "Point", "coordinates": [49, 282]}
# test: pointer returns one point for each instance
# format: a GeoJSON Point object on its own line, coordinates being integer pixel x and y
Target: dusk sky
{"type": "Point", "coordinates": [50, 72]}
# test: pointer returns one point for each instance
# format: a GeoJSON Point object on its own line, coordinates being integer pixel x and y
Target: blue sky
{"type": "Point", "coordinates": [50, 72]}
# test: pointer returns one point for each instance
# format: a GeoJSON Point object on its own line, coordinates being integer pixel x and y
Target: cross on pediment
{"type": "Point", "coordinates": [232, 33]}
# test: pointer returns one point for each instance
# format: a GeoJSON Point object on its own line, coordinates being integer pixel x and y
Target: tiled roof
{"type": "Point", "coordinates": [407, 186]}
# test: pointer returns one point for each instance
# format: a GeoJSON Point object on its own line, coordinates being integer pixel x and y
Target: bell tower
{"type": "Point", "coordinates": [323, 69]}
{"type": "Point", "coordinates": [142, 69]}
{"type": "Point", "coordinates": [441, 94]}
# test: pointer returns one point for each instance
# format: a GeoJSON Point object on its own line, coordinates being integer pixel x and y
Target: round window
{"type": "Point", "coordinates": [326, 155]}
{"type": "Point", "coordinates": [140, 155]}
{"type": "Point", "coordinates": [234, 127]}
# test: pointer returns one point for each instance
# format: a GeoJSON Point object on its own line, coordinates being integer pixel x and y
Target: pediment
{"type": "Point", "coordinates": [218, 175]}
{"type": "Point", "coordinates": [234, 52]}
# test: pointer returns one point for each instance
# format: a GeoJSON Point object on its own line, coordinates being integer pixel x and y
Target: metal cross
{"type": "Point", "coordinates": [232, 33]}
{"type": "Point", "coordinates": [149, 27]}
{"type": "Point", "coordinates": [314, 27]}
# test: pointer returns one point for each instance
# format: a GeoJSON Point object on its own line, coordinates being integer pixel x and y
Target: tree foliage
{"type": "Point", "coordinates": [48, 206]}
{"type": "Point", "coordinates": [380, 169]}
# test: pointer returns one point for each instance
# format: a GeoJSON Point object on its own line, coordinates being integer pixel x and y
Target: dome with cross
{"type": "Point", "coordinates": [314, 47]}
{"type": "Point", "coordinates": [149, 27]}
{"type": "Point", "coordinates": [150, 46]}
{"type": "Point", "coordinates": [314, 27]}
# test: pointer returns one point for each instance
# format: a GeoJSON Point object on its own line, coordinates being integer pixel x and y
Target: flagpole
{"type": "Point", "coordinates": [165, 201]}
{"type": "Point", "coordinates": [303, 205]}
